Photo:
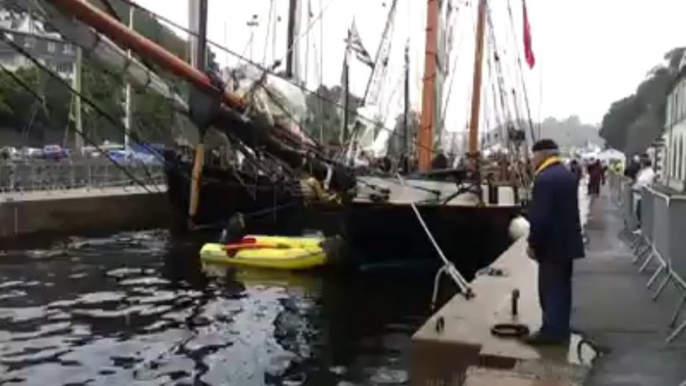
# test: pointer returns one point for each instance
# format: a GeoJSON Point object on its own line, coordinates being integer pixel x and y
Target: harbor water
{"type": "Point", "coordinates": [136, 308]}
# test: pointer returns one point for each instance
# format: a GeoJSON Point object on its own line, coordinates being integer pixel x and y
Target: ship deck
{"type": "Point", "coordinates": [423, 192]}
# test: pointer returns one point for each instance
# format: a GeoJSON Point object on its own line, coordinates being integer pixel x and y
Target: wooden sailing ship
{"type": "Point", "coordinates": [468, 213]}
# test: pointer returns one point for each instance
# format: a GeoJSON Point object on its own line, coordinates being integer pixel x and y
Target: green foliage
{"type": "Point", "coordinates": [153, 119]}
{"type": "Point", "coordinates": [634, 122]}
{"type": "Point", "coordinates": [22, 112]}
{"type": "Point", "coordinates": [324, 119]}
{"type": "Point", "coordinates": [398, 140]}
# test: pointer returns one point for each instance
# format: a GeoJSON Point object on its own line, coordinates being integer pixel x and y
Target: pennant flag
{"type": "Point", "coordinates": [355, 44]}
{"type": "Point", "coordinates": [528, 50]}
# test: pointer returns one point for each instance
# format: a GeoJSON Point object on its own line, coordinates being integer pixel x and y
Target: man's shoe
{"type": "Point", "coordinates": [541, 339]}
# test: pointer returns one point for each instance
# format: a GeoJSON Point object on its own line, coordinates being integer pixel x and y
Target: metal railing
{"type": "Point", "coordinates": [46, 175]}
{"type": "Point", "coordinates": [656, 238]}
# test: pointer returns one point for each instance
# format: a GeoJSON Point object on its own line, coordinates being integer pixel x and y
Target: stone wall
{"type": "Point", "coordinates": [81, 212]}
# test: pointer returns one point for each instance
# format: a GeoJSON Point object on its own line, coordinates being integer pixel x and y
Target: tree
{"type": "Point", "coordinates": [399, 141]}
{"type": "Point", "coordinates": [324, 114]}
{"type": "Point", "coordinates": [22, 112]}
{"type": "Point", "coordinates": [634, 122]}
{"type": "Point", "coordinates": [154, 118]}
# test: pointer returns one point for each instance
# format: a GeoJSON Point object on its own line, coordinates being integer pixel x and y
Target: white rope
{"type": "Point", "coordinates": [448, 266]}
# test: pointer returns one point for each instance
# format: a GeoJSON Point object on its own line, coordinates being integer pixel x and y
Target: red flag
{"type": "Point", "coordinates": [528, 50]}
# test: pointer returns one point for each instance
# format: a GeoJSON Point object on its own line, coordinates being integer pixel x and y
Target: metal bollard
{"type": "Point", "coordinates": [514, 305]}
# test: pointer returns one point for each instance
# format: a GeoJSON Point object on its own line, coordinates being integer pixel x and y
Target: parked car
{"type": "Point", "coordinates": [31, 152]}
{"type": "Point", "coordinates": [10, 153]}
{"type": "Point", "coordinates": [132, 157]}
{"type": "Point", "coordinates": [54, 152]}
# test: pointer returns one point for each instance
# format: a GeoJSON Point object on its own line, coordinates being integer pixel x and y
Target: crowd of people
{"type": "Point", "coordinates": [595, 170]}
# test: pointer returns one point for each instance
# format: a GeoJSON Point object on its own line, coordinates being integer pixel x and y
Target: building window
{"type": "Point", "coordinates": [64, 68]}
{"type": "Point", "coordinates": [677, 104]}
{"type": "Point", "coordinates": [668, 117]}
{"type": "Point", "coordinates": [675, 108]}
{"type": "Point", "coordinates": [68, 49]}
{"type": "Point", "coordinates": [52, 46]}
{"type": "Point", "coordinates": [672, 158]}
{"type": "Point", "coordinates": [29, 41]}
{"type": "Point", "coordinates": [680, 176]}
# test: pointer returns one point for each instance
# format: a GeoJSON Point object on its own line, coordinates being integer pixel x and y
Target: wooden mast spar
{"type": "Point", "coordinates": [197, 14]}
{"type": "Point", "coordinates": [426, 126]}
{"type": "Point", "coordinates": [193, 73]}
{"type": "Point", "coordinates": [103, 23]}
{"type": "Point", "coordinates": [476, 91]}
{"type": "Point", "coordinates": [425, 136]}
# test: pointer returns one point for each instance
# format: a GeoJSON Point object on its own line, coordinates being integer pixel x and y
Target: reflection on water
{"type": "Point", "coordinates": [136, 308]}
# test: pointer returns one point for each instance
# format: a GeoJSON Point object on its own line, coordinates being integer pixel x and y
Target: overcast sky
{"type": "Point", "coordinates": [589, 52]}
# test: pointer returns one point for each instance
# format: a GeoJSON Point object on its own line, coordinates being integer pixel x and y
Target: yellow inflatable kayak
{"type": "Point", "coordinates": [275, 252]}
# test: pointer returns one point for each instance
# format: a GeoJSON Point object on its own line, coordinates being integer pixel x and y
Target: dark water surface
{"type": "Point", "coordinates": [135, 309]}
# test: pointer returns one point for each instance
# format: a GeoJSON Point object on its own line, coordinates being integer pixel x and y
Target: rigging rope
{"type": "Point", "coordinates": [521, 73]}
{"type": "Point", "coordinates": [135, 180]}
{"type": "Point", "coordinates": [115, 123]}
{"type": "Point", "coordinates": [271, 72]}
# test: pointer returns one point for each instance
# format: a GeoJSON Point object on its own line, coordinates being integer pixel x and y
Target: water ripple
{"type": "Point", "coordinates": [135, 309]}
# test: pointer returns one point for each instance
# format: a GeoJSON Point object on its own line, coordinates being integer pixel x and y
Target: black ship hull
{"type": "Point", "coordinates": [225, 192]}
{"type": "Point", "coordinates": [471, 237]}
{"type": "Point", "coordinates": [374, 233]}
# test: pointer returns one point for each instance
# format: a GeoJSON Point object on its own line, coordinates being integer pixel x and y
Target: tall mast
{"type": "Point", "coordinates": [346, 84]}
{"type": "Point", "coordinates": [476, 90]}
{"type": "Point", "coordinates": [406, 104]}
{"type": "Point", "coordinates": [371, 92]}
{"type": "Point", "coordinates": [77, 84]}
{"type": "Point", "coordinates": [425, 135]}
{"type": "Point", "coordinates": [292, 55]}
{"type": "Point", "coordinates": [198, 24]}
{"type": "Point", "coordinates": [128, 96]}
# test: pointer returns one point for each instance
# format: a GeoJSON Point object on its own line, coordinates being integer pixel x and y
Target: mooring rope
{"type": "Point", "coordinates": [448, 267]}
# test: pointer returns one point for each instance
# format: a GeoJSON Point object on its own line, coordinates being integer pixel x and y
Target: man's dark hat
{"type": "Point", "coordinates": [544, 144]}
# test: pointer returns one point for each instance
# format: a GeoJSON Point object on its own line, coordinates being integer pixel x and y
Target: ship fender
{"type": "Point", "coordinates": [519, 227]}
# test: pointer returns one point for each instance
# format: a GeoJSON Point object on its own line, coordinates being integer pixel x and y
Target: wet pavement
{"type": "Point", "coordinates": [136, 309]}
{"type": "Point", "coordinates": [614, 310]}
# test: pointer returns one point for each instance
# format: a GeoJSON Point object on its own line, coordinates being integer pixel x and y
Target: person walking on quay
{"type": "Point", "coordinates": [644, 178]}
{"type": "Point", "coordinates": [575, 168]}
{"type": "Point", "coordinates": [555, 240]}
{"type": "Point", "coordinates": [631, 170]}
{"type": "Point", "coordinates": [596, 176]}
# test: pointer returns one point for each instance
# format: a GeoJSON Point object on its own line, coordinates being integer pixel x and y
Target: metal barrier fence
{"type": "Point", "coordinates": [61, 175]}
{"type": "Point", "coordinates": [656, 239]}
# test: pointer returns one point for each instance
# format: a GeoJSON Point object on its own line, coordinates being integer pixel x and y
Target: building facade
{"type": "Point", "coordinates": [673, 173]}
{"type": "Point", "coordinates": [46, 47]}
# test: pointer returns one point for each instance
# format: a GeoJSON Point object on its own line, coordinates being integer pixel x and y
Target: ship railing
{"type": "Point", "coordinates": [656, 240]}
{"type": "Point", "coordinates": [48, 175]}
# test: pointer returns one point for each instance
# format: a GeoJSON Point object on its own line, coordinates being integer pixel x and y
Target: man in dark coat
{"type": "Point", "coordinates": [555, 240]}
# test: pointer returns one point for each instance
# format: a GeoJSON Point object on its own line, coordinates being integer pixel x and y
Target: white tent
{"type": "Point", "coordinates": [611, 155]}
